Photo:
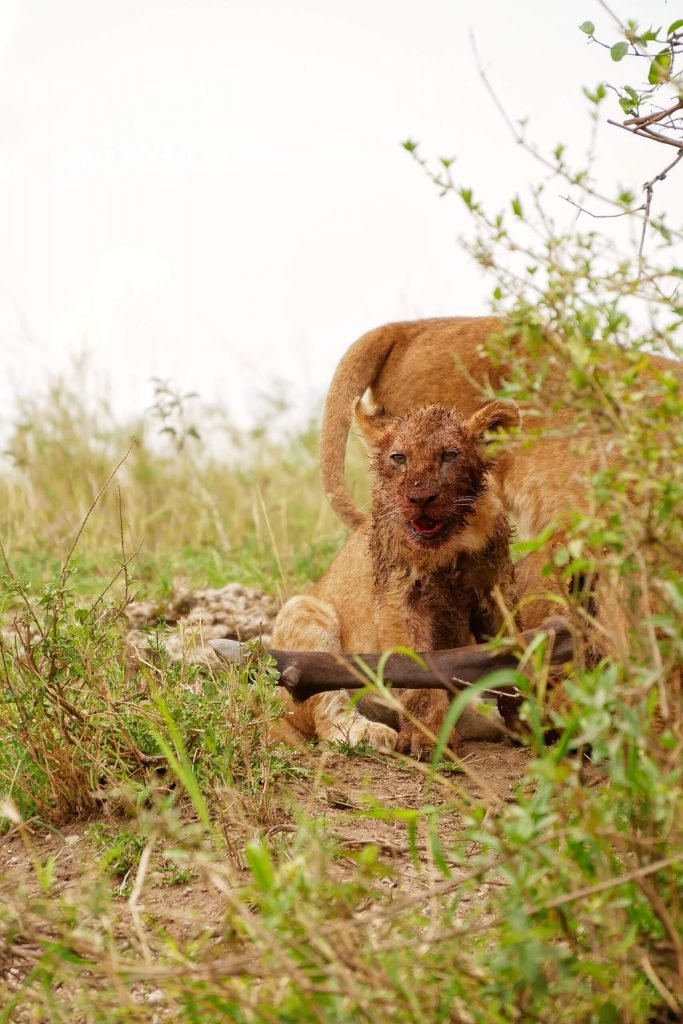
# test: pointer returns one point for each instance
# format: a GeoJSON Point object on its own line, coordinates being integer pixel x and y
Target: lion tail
{"type": "Point", "coordinates": [358, 369]}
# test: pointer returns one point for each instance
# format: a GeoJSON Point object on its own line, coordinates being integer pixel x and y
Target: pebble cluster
{"type": "Point", "coordinates": [193, 618]}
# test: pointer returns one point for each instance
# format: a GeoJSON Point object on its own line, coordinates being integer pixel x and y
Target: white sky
{"type": "Point", "coordinates": [214, 192]}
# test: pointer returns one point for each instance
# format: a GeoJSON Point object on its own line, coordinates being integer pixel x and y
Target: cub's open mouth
{"type": "Point", "coordinates": [427, 528]}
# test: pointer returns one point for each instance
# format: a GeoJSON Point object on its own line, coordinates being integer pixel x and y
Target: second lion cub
{"type": "Point", "coordinates": [418, 573]}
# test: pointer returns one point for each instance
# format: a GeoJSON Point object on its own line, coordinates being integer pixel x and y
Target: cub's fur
{"type": "Point", "coordinates": [419, 572]}
{"type": "Point", "coordinates": [446, 361]}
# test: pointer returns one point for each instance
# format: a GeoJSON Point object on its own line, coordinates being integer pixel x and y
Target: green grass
{"type": "Point", "coordinates": [257, 517]}
{"type": "Point", "coordinates": [563, 902]}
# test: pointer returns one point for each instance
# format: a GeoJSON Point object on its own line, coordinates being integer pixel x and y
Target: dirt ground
{"type": "Point", "coordinates": [333, 786]}
{"type": "Point", "coordinates": [337, 788]}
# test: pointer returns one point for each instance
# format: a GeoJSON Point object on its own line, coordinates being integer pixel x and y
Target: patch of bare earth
{"type": "Point", "coordinates": [339, 789]}
{"type": "Point", "coordinates": [333, 786]}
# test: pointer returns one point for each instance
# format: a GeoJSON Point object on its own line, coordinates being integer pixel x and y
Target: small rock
{"type": "Point", "coordinates": [233, 612]}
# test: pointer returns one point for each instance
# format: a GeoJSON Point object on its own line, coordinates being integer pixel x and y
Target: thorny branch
{"type": "Point", "coordinates": [640, 125]}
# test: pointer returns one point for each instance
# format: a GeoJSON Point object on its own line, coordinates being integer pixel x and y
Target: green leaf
{"type": "Point", "coordinates": [674, 26]}
{"type": "Point", "coordinates": [660, 68]}
{"type": "Point", "coordinates": [179, 762]}
{"type": "Point", "coordinates": [647, 37]}
{"type": "Point", "coordinates": [409, 145]}
{"type": "Point", "coordinates": [517, 206]}
{"type": "Point", "coordinates": [438, 853]}
{"type": "Point", "coordinates": [261, 865]}
{"type": "Point", "coordinates": [412, 839]}
{"type": "Point", "coordinates": [62, 952]}
{"type": "Point", "coordinates": [46, 873]}
{"type": "Point", "coordinates": [561, 557]}
{"type": "Point", "coordinates": [674, 594]}
{"type": "Point", "coordinates": [588, 27]}
{"type": "Point", "coordinates": [597, 96]}
{"type": "Point", "coordinates": [619, 51]}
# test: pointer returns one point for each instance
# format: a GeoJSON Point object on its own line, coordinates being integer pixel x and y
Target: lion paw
{"type": "Point", "coordinates": [381, 737]}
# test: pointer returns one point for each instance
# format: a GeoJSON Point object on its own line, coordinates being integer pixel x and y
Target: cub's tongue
{"type": "Point", "coordinates": [425, 526]}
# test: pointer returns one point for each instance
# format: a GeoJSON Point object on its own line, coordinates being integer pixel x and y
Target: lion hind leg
{"type": "Point", "coordinates": [428, 708]}
{"type": "Point", "coordinates": [306, 623]}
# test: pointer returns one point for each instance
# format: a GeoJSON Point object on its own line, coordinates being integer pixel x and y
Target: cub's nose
{"type": "Point", "coordinates": [421, 498]}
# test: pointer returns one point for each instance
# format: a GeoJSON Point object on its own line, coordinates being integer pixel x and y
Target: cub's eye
{"type": "Point", "coordinates": [449, 456]}
{"type": "Point", "coordinates": [399, 458]}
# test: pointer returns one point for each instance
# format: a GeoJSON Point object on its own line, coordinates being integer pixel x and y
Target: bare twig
{"type": "Point", "coordinates": [601, 216]}
{"type": "Point", "coordinates": [93, 506]}
{"type": "Point", "coordinates": [647, 133]}
{"type": "Point", "coordinates": [124, 561]}
{"type": "Point", "coordinates": [647, 119]}
{"type": "Point", "coordinates": [517, 135]}
{"type": "Point", "coordinates": [134, 899]}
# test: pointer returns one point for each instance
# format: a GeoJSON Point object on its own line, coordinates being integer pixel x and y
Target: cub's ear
{"type": "Point", "coordinates": [493, 416]}
{"type": "Point", "coordinates": [371, 422]}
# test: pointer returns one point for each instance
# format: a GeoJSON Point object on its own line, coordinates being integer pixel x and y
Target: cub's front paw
{"type": "Point", "coordinates": [361, 730]}
{"type": "Point", "coordinates": [381, 737]}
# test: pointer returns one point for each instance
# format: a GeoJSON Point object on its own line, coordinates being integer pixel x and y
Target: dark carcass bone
{"type": "Point", "coordinates": [305, 673]}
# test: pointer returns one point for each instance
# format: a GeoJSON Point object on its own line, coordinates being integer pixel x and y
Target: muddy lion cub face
{"type": "Point", "coordinates": [428, 569]}
{"type": "Point", "coordinates": [430, 469]}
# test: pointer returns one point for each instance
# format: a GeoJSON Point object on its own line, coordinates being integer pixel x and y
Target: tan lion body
{"type": "Point", "coordinates": [419, 572]}
{"type": "Point", "coordinates": [445, 362]}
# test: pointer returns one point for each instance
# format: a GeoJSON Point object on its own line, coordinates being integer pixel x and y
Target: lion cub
{"type": "Point", "coordinates": [418, 573]}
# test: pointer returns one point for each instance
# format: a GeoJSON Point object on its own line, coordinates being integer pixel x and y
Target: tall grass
{"type": "Point", "coordinates": [563, 903]}
{"type": "Point", "coordinates": [198, 498]}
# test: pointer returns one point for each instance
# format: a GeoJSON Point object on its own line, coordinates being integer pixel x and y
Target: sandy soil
{"type": "Point", "coordinates": [337, 789]}
{"type": "Point", "coordinates": [334, 787]}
